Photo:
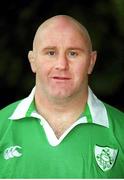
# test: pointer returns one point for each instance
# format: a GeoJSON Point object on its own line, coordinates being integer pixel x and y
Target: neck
{"type": "Point", "coordinates": [61, 113]}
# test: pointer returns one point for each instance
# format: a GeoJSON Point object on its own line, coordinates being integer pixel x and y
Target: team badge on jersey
{"type": "Point", "coordinates": [105, 157]}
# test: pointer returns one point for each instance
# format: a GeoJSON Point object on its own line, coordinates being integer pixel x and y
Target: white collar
{"type": "Point", "coordinates": [97, 108]}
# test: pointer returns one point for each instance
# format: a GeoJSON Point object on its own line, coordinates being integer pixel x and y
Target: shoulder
{"type": "Point", "coordinates": [5, 113]}
{"type": "Point", "coordinates": [8, 110]}
{"type": "Point", "coordinates": [116, 122]}
{"type": "Point", "coordinates": [114, 113]}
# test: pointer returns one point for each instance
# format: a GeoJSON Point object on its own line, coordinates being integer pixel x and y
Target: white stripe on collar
{"type": "Point", "coordinates": [23, 106]}
{"type": "Point", "coordinates": [97, 108]}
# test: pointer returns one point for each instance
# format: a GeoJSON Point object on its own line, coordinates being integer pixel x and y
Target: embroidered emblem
{"type": "Point", "coordinates": [105, 157]}
{"type": "Point", "coordinates": [12, 152]}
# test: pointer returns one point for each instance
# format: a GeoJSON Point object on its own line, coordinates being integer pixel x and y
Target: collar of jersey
{"type": "Point", "coordinates": [95, 111]}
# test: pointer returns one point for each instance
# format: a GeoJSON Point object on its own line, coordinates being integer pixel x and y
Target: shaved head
{"type": "Point", "coordinates": [62, 59]}
{"type": "Point", "coordinates": [63, 21]}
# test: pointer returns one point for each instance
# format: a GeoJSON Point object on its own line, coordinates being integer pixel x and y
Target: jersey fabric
{"type": "Point", "coordinates": [93, 147]}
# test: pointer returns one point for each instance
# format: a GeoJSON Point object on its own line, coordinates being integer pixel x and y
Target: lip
{"type": "Point", "coordinates": [60, 78]}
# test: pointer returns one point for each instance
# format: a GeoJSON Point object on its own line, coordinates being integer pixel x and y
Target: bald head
{"type": "Point", "coordinates": [63, 21]}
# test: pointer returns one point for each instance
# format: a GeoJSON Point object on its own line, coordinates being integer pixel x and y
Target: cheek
{"type": "Point", "coordinates": [43, 72]}
{"type": "Point", "coordinates": [81, 70]}
{"type": "Point", "coordinates": [41, 66]}
{"type": "Point", "coordinates": [40, 73]}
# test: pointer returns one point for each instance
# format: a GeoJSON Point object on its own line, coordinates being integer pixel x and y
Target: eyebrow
{"type": "Point", "coordinates": [49, 47]}
{"type": "Point", "coordinates": [70, 48]}
{"type": "Point", "coordinates": [76, 48]}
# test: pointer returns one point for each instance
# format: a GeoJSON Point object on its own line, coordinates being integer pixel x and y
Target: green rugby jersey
{"type": "Point", "coordinates": [93, 147]}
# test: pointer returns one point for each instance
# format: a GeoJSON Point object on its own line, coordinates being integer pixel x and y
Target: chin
{"type": "Point", "coordinates": [61, 96]}
{"type": "Point", "coordinates": [57, 93]}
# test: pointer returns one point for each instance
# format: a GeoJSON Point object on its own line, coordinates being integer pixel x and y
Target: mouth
{"type": "Point", "coordinates": [61, 78]}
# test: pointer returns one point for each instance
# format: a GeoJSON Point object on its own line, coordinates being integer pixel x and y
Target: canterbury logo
{"type": "Point", "coordinates": [12, 152]}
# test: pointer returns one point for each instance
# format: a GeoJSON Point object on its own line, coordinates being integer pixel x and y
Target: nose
{"type": "Point", "coordinates": [61, 63]}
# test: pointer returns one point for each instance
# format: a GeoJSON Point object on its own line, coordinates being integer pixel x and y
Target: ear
{"type": "Point", "coordinates": [92, 61]}
{"type": "Point", "coordinates": [31, 58]}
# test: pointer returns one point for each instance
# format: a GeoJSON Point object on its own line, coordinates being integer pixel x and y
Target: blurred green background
{"type": "Point", "coordinates": [104, 20]}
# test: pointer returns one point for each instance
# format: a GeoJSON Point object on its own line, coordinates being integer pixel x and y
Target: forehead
{"type": "Point", "coordinates": [60, 30]}
{"type": "Point", "coordinates": [60, 33]}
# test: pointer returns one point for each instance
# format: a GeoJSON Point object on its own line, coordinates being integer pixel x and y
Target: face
{"type": "Point", "coordinates": [61, 61]}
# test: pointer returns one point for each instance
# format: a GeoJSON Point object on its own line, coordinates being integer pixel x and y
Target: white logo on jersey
{"type": "Point", "coordinates": [12, 152]}
{"type": "Point", "coordinates": [105, 157]}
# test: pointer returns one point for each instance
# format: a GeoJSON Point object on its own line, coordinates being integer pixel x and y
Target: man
{"type": "Point", "coordinates": [61, 130]}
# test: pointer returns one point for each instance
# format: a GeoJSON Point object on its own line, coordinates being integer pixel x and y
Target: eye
{"type": "Point", "coordinates": [51, 53]}
{"type": "Point", "coordinates": [73, 54]}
